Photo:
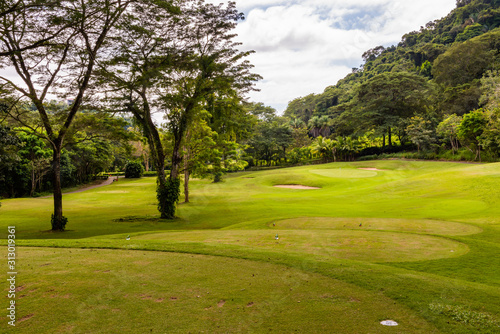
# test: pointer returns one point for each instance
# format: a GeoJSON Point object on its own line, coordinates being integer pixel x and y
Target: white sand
{"type": "Point", "coordinates": [296, 186]}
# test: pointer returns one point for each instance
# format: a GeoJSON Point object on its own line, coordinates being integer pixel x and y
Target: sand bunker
{"type": "Point", "coordinates": [296, 186]}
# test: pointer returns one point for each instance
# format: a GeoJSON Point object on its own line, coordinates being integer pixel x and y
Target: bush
{"type": "Point", "coordinates": [133, 170]}
{"type": "Point", "coordinates": [168, 197]}
{"type": "Point", "coordinates": [368, 157]}
{"type": "Point", "coordinates": [58, 224]}
{"type": "Point", "coordinates": [386, 150]}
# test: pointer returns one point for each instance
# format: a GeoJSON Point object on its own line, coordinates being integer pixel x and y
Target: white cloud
{"type": "Point", "coordinates": [304, 46]}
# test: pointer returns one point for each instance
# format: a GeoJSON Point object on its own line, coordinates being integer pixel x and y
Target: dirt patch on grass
{"type": "Point", "coordinates": [296, 186]}
{"type": "Point", "coordinates": [131, 219]}
{"type": "Point", "coordinates": [113, 192]}
{"type": "Point", "coordinates": [26, 317]}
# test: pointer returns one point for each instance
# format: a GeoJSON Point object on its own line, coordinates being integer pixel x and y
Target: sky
{"type": "Point", "coordinates": [302, 47]}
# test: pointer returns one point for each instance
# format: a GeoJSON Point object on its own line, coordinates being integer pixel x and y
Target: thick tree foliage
{"type": "Point", "coordinates": [383, 101]}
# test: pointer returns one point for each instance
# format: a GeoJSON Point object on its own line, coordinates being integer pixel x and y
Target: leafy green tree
{"type": "Point", "coordinates": [297, 123]}
{"type": "Point", "coordinates": [302, 108]}
{"type": "Point", "coordinates": [300, 154]}
{"type": "Point", "coordinates": [261, 111]}
{"type": "Point", "coordinates": [470, 32]}
{"type": "Point", "coordinates": [233, 122]}
{"type": "Point", "coordinates": [325, 147]}
{"type": "Point", "coordinates": [36, 155]}
{"type": "Point", "coordinates": [319, 126]}
{"type": "Point", "coordinates": [134, 170]}
{"type": "Point", "coordinates": [78, 31]}
{"type": "Point", "coordinates": [470, 130]}
{"type": "Point", "coordinates": [420, 132]}
{"type": "Point", "coordinates": [142, 53]}
{"type": "Point", "coordinates": [199, 153]}
{"type": "Point", "coordinates": [426, 69]}
{"type": "Point", "coordinates": [384, 100]}
{"type": "Point", "coordinates": [448, 129]}
{"type": "Point", "coordinates": [460, 99]}
{"type": "Point", "coordinates": [300, 138]}
{"type": "Point", "coordinates": [271, 141]}
{"type": "Point", "coordinates": [464, 62]}
{"type": "Point", "coordinates": [216, 67]}
{"type": "Point", "coordinates": [90, 158]}
{"type": "Point", "coordinates": [490, 89]}
{"type": "Point", "coordinates": [490, 138]}
{"type": "Point", "coordinates": [9, 145]}
{"type": "Point", "coordinates": [175, 60]}
{"type": "Point", "coordinates": [229, 159]}
{"type": "Point", "coordinates": [346, 148]}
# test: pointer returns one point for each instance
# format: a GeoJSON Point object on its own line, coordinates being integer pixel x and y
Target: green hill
{"type": "Point", "coordinates": [452, 54]}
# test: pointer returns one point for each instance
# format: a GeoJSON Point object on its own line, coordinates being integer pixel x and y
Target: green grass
{"type": "Point", "coordinates": [416, 242]}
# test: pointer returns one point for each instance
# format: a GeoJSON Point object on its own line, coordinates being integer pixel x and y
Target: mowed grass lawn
{"type": "Point", "coordinates": [414, 242]}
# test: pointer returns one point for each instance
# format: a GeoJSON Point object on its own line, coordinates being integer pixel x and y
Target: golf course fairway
{"type": "Point", "coordinates": [409, 241]}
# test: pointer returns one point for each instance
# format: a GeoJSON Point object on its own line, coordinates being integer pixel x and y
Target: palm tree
{"type": "Point", "coordinates": [319, 126]}
{"type": "Point", "coordinates": [325, 148]}
{"type": "Point", "coordinates": [296, 123]}
{"type": "Point", "coordinates": [324, 122]}
{"type": "Point", "coordinates": [314, 126]}
{"type": "Point", "coordinates": [347, 147]}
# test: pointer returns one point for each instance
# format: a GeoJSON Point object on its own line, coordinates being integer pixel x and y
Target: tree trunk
{"type": "Point", "coordinates": [176, 158]}
{"type": "Point", "coordinates": [58, 221]}
{"type": "Point", "coordinates": [383, 138]}
{"type": "Point", "coordinates": [186, 185]}
{"type": "Point", "coordinates": [186, 175]}
{"type": "Point", "coordinates": [159, 161]}
{"type": "Point", "coordinates": [389, 135]}
{"type": "Point", "coordinates": [33, 182]}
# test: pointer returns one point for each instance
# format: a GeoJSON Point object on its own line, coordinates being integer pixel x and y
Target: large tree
{"type": "Point", "coordinates": [170, 60]}
{"type": "Point", "coordinates": [471, 129]}
{"type": "Point", "coordinates": [385, 99]}
{"type": "Point", "coordinates": [78, 30]}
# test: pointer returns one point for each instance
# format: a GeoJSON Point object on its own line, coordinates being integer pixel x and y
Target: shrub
{"type": "Point", "coordinates": [133, 170]}
{"type": "Point", "coordinates": [168, 197]}
{"type": "Point", "coordinates": [58, 224]}
{"type": "Point", "coordinates": [368, 157]}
